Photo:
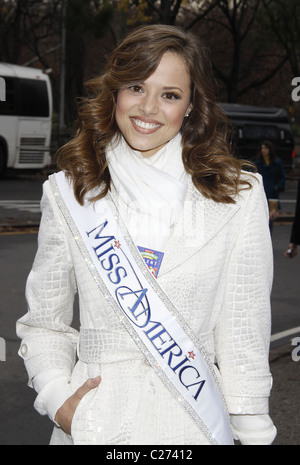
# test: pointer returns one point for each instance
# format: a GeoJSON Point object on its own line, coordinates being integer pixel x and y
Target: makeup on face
{"type": "Point", "coordinates": [150, 113]}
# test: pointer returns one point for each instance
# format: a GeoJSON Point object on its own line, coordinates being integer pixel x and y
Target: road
{"type": "Point", "coordinates": [285, 291]}
{"type": "Point", "coordinates": [22, 425]}
{"type": "Point", "coordinates": [20, 196]}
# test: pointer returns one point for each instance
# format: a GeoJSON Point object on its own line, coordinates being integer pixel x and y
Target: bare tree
{"type": "Point", "coordinates": [282, 18]}
{"type": "Point", "coordinates": [41, 29]}
{"type": "Point", "coordinates": [241, 60]}
{"type": "Point", "coordinates": [186, 13]}
{"type": "Point", "coordinates": [10, 30]}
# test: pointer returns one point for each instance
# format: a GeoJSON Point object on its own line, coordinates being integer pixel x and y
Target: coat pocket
{"type": "Point", "coordinates": [82, 418]}
{"type": "Point", "coordinates": [80, 375]}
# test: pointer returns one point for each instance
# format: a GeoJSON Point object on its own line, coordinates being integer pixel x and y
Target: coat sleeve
{"type": "Point", "coordinates": [242, 334]}
{"type": "Point", "coordinates": [49, 342]}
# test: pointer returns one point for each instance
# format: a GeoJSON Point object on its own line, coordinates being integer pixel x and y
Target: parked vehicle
{"type": "Point", "coordinates": [25, 118]}
{"type": "Point", "coordinates": [252, 125]}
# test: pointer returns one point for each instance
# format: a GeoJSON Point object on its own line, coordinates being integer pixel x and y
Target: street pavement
{"type": "Point", "coordinates": [21, 425]}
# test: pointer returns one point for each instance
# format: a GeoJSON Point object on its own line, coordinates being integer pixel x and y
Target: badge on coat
{"type": "Point", "coordinates": [153, 259]}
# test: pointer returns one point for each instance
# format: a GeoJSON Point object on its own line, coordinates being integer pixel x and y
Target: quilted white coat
{"type": "Point", "coordinates": [217, 269]}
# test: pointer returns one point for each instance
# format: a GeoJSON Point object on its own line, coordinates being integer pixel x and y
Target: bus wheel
{"type": "Point", "coordinates": [2, 161]}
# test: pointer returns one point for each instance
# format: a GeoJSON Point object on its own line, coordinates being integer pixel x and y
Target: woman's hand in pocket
{"type": "Point", "coordinates": [65, 413]}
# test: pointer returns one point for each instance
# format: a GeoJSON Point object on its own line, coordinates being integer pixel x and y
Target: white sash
{"type": "Point", "coordinates": [144, 309]}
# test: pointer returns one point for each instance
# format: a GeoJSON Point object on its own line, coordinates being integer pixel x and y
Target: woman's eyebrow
{"type": "Point", "coordinates": [172, 88]}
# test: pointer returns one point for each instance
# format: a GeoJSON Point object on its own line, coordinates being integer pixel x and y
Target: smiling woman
{"type": "Point", "coordinates": [165, 239]}
{"type": "Point", "coordinates": [156, 107]}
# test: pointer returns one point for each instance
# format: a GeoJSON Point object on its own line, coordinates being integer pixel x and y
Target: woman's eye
{"type": "Point", "coordinates": [136, 89]}
{"type": "Point", "coordinates": [171, 96]}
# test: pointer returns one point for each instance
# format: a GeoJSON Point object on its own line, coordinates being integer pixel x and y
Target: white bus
{"type": "Point", "coordinates": [25, 117]}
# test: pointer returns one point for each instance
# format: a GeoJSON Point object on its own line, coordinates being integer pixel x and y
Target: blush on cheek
{"type": "Point", "coordinates": [177, 120]}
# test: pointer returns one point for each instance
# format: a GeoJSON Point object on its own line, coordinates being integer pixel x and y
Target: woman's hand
{"type": "Point", "coordinates": [65, 413]}
{"type": "Point", "coordinates": [274, 214]}
{"type": "Point", "coordinates": [291, 252]}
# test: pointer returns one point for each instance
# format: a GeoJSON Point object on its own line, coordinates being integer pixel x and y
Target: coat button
{"type": "Point", "coordinates": [24, 349]}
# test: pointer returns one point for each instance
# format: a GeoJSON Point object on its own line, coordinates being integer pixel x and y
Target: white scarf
{"type": "Point", "coordinates": [150, 191]}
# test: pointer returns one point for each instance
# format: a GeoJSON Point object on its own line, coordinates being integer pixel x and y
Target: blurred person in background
{"type": "Point", "coordinates": [270, 167]}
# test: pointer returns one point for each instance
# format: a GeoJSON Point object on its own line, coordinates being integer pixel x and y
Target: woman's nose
{"type": "Point", "coordinates": [149, 105]}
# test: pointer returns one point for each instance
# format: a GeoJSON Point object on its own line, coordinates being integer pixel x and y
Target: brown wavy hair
{"type": "Point", "coordinates": [206, 153]}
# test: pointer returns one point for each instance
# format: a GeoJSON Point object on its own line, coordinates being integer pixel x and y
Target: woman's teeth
{"type": "Point", "coordinates": [144, 125]}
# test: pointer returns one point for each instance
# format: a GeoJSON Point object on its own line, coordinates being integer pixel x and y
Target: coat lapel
{"type": "Point", "coordinates": [200, 221]}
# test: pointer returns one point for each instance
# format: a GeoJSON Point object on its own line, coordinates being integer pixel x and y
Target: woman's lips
{"type": "Point", "coordinates": [145, 126]}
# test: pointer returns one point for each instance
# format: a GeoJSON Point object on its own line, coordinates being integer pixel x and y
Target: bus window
{"type": "Point", "coordinates": [33, 98]}
{"type": "Point", "coordinates": [8, 107]}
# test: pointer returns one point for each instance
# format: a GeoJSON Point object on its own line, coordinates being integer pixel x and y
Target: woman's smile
{"type": "Point", "coordinates": [144, 125]}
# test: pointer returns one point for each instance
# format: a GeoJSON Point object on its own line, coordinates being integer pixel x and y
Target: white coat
{"type": "Point", "coordinates": [217, 270]}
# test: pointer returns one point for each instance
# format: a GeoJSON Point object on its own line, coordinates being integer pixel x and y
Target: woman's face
{"type": "Point", "coordinates": [264, 150]}
{"type": "Point", "coordinates": [150, 113]}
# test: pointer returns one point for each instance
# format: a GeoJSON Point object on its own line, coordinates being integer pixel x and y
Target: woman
{"type": "Point", "coordinates": [150, 158]}
{"type": "Point", "coordinates": [270, 167]}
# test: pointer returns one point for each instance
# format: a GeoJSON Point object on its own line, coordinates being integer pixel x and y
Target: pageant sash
{"type": "Point", "coordinates": [144, 309]}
